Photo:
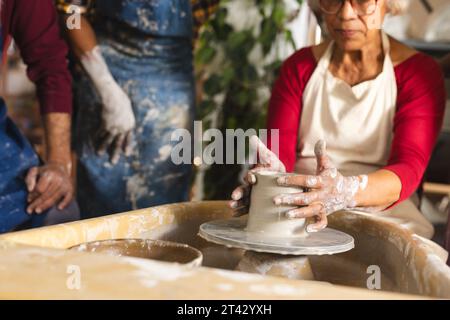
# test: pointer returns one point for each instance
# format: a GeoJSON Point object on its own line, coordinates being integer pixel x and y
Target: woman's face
{"type": "Point", "coordinates": [350, 30]}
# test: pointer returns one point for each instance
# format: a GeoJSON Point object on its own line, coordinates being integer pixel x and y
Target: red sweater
{"type": "Point", "coordinates": [34, 26]}
{"type": "Point", "coordinates": [417, 122]}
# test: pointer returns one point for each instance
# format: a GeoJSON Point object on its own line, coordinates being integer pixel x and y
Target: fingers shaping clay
{"type": "Point", "coordinates": [267, 229]}
{"type": "Point", "coordinates": [267, 218]}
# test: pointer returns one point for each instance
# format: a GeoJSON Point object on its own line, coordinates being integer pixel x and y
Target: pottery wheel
{"type": "Point", "coordinates": [233, 233]}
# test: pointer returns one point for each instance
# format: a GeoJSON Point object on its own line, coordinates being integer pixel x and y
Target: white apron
{"type": "Point", "coordinates": [357, 124]}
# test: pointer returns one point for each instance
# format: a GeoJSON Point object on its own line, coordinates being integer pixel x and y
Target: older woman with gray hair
{"type": "Point", "coordinates": [377, 103]}
{"type": "Point", "coordinates": [394, 7]}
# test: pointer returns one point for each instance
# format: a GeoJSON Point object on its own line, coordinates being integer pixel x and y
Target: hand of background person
{"type": "Point", "coordinates": [48, 185]}
{"type": "Point", "coordinates": [118, 120]}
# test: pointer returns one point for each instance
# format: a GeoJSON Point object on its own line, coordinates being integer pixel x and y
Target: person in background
{"type": "Point", "coordinates": [35, 193]}
{"type": "Point", "coordinates": [377, 103]}
{"type": "Point", "coordinates": [136, 88]}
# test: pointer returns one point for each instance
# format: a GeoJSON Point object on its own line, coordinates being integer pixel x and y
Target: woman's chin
{"type": "Point", "coordinates": [350, 44]}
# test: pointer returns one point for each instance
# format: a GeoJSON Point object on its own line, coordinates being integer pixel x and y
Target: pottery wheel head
{"type": "Point", "coordinates": [233, 233]}
{"type": "Point", "coordinates": [266, 228]}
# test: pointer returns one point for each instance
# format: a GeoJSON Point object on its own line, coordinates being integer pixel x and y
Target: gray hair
{"type": "Point", "coordinates": [398, 7]}
{"type": "Point", "coordinates": [395, 7]}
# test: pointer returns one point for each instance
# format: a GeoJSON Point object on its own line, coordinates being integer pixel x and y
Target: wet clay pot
{"type": "Point", "coordinates": [266, 217]}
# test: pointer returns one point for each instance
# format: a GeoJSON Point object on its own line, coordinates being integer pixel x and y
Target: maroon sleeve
{"type": "Point", "coordinates": [418, 120]}
{"type": "Point", "coordinates": [34, 27]}
{"type": "Point", "coordinates": [286, 104]}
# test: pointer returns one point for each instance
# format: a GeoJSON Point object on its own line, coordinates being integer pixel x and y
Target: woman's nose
{"type": "Point", "coordinates": [347, 11]}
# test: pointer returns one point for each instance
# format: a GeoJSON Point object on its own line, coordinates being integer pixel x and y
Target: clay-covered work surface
{"type": "Point", "coordinates": [36, 263]}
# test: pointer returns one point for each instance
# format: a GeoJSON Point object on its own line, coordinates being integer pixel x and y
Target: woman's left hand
{"type": "Point", "coordinates": [329, 191]}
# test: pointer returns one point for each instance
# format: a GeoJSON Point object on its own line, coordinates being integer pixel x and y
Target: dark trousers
{"type": "Point", "coordinates": [51, 217]}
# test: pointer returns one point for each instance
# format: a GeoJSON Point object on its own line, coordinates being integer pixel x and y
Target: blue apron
{"type": "Point", "coordinates": [161, 18]}
{"type": "Point", "coordinates": [148, 48]}
{"type": "Point", "coordinates": [16, 158]}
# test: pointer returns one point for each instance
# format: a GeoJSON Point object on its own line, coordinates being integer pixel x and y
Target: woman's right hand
{"type": "Point", "coordinates": [266, 161]}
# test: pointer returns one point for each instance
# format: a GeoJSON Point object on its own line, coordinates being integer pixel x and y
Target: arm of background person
{"type": "Point", "coordinates": [82, 39]}
{"type": "Point", "coordinates": [34, 27]}
{"type": "Point", "coordinates": [118, 120]}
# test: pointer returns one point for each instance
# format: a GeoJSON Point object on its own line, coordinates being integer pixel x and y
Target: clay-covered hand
{"type": "Point", "coordinates": [117, 113]}
{"type": "Point", "coordinates": [327, 192]}
{"type": "Point", "coordinates": [266, 161]}
{"type": "Point", "coordinates": [48, 185]}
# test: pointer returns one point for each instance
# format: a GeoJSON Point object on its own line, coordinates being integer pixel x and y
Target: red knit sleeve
{"type": "Point", "coordinates": [286, 104]}
{"type": "Point", "coordinates": [34, 27]}
{"type": "Point", "coordinates": [418, 120]}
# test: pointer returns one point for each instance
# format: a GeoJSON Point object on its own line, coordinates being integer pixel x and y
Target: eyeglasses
{"type": "Point", "coordinates": [361, 7]}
